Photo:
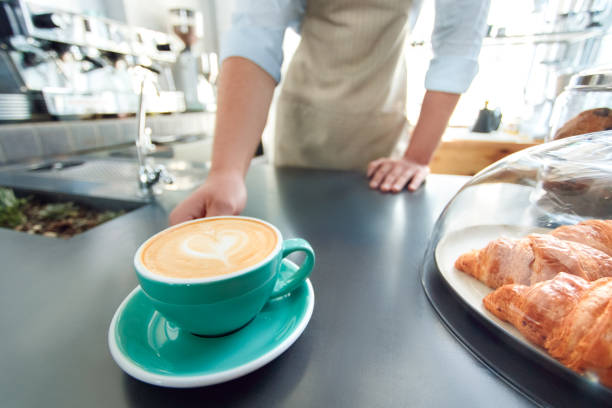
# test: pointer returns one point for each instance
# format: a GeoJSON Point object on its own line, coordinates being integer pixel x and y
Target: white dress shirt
{"type": "Point", "coordinates": [258, 28]}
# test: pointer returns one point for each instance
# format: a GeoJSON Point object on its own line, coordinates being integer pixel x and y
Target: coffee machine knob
{"type": "Point", "coordinates": [47, 20]}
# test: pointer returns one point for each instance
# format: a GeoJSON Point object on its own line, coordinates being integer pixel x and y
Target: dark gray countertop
{"type": "Point", "coordinates": [373, 341]}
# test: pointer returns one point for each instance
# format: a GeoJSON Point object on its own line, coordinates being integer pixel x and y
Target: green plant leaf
{"type": "Point", "coordinates": [11, 214]}
{"type": "Point", "coordinates": [58, 211]}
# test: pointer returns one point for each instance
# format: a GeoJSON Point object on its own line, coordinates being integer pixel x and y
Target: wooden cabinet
{"type": "Point", "coordinates": [468, 157]}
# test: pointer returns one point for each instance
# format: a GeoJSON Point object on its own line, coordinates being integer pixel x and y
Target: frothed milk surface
{"type": "Point", "coordinates": [208, 248]}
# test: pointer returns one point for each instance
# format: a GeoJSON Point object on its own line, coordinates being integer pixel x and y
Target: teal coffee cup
{"type": "Point", "coordinates": [213, 275]}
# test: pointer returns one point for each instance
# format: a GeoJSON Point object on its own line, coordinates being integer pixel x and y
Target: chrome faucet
{"type": "Point", "coordinates": [148, 175]}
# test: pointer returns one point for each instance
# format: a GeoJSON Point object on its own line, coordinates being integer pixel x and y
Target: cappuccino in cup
{"type": "Point", "coordinates": [212, 276]}
{"type": "Point", "coordinates": [209, 248]}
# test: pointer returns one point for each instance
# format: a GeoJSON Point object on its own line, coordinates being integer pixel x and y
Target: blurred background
{"type": "Point", "coordinates": [72, 73]}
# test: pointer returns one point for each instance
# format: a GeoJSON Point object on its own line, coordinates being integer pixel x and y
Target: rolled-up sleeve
{"type": "Point", "coordinates": [459, 28]}
{"type": "Point", "coordinates": [257, 31]}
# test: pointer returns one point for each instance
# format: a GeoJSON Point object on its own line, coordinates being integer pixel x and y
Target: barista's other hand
{"type": "Point", "coordinates": [392, 175]}
{"type": "Point", "coordinates": [223, 193]}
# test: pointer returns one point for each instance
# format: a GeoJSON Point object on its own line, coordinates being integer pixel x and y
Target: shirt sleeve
{"type": "Point", "coordinates": [257, 31]}
{"type": "Point", "coordinates": [459, 28]}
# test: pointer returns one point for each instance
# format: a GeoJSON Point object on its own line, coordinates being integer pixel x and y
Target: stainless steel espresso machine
{"type": "Point", "coordinates": [62, 65]}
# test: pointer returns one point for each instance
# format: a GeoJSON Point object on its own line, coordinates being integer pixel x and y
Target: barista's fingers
{"type": "Point", "coordinates": [216, 208]}
{"type": "Point", "coordinates": [380, 173]}
{"type": "Point", "coordinates": [190, 209]}
{"type": "Point", "coordinates": [374, 165]}
{"type": "Point", "coordinates": [402, 180]}
{"type": "Point", "coordinates": [177, 216]}
{"type": "Point", "coordinates": [391, 177]}
{"type": "Point", "coordinates": [418, 178]}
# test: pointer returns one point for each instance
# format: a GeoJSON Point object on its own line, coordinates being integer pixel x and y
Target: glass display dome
{"type": "Point", "coordinates": [536, 190]}
{"type": "Point", "coordinates": [584, 105]}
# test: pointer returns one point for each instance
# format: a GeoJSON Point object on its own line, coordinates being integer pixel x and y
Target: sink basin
{"type": "Point", "coordinates": [96, 184]}
{"type": "Point", "coordinates": [115, 171]}
{"type": "Point", "coordinates": [100, 176]}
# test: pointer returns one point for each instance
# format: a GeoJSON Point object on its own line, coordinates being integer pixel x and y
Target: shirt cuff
{"type": "Point", "coordinates": [450, 74]}
{"type": "Point", "coordinates": [259, 45]}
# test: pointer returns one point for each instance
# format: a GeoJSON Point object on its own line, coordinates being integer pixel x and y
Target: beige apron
{"type": "Point", "coordinates": [343, 98]}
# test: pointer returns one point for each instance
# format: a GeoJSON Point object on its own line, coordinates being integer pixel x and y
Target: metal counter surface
{"type": "Point", "coordinates": [373, 340]}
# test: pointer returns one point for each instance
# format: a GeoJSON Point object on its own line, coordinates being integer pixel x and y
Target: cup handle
{"type": "Point", "coordinates": [293, 277]}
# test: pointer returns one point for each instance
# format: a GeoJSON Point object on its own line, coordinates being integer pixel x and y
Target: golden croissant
{"type": "Point", "coordinates": [568, 316]}
{"type": "Point", "coordinates": [594, 233]}
{"type": "Point", "coordinates": [534, 258]}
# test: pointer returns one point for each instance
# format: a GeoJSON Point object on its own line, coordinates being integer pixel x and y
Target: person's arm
{"type": "Point", "coordinates": [394, 174]}
{"type": "Point", "coordinates": [457, 38]}
{"type": "Point", "coordinates": [252, 57]}
{"type": "Point", "coordinates": [244, 96]}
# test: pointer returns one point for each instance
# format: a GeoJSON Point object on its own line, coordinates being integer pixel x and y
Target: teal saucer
{"type": "Point", "coordinates": [150, 348]}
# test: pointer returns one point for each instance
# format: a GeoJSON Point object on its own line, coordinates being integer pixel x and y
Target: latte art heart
{"type": "Point", "coordinates": [215, 245]}
{"type": "Point", "coordinates": [209, 247]}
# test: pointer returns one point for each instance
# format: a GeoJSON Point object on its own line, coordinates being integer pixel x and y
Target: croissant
{"type": "Point", "coordinates": [594, 233]}
{"type": "Point", "coordinates": [532, 259]}
{"type": "Point", "coordinates": [568, 316]}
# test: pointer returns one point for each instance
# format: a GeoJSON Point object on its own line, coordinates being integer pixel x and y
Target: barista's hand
{"type": "Point", "coordinates": [392, 175]}
{"type": "Point", "coordinates": [223, 193]}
